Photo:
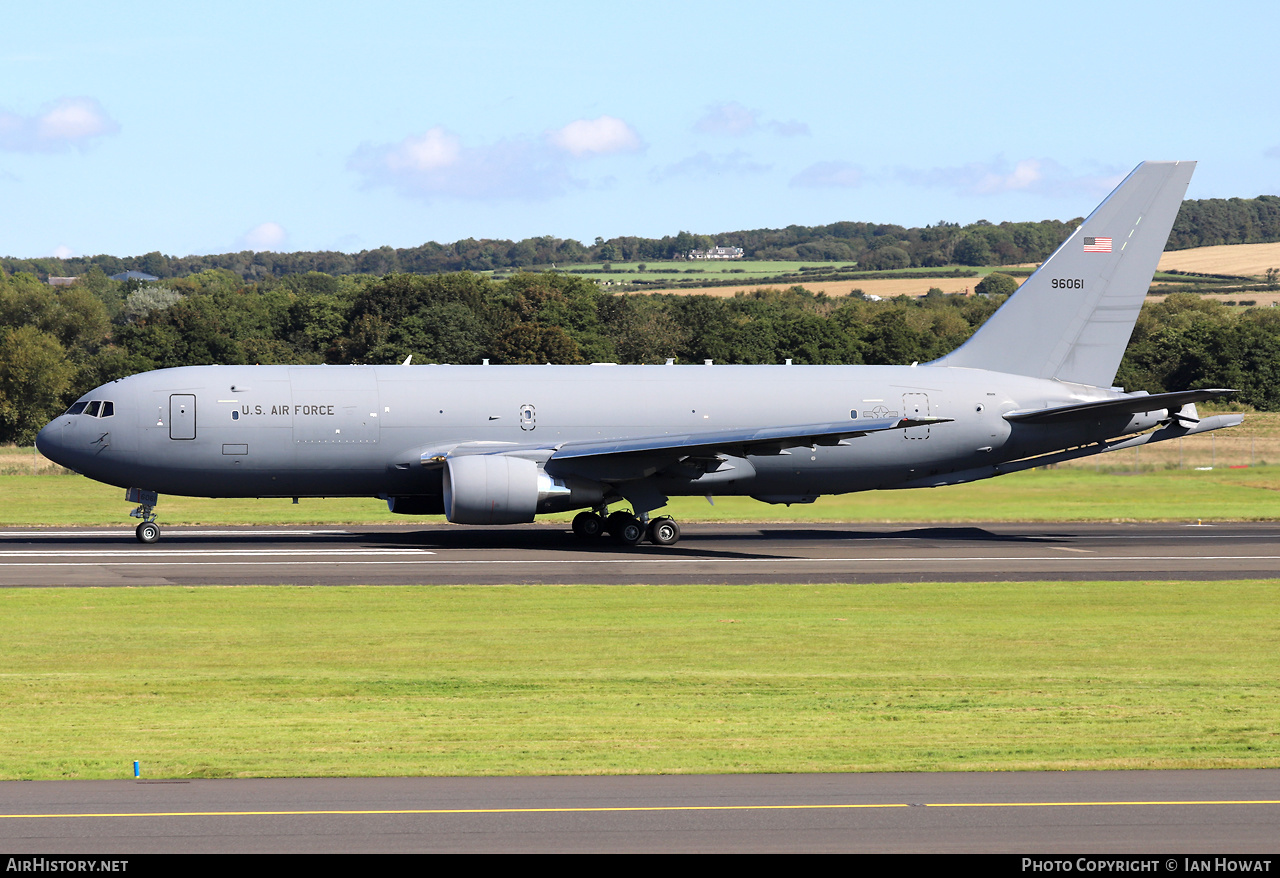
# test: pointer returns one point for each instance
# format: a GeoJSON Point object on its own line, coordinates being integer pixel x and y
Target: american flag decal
{"type": "Point", "coordinates": [1097, 245]}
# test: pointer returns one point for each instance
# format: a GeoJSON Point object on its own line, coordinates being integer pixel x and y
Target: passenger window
{"type": "Point", "coordinates": [108, 409]}
{"type": "Point", "coordinates": [76, 408]}
{"type": "Point", "coordinates": [92, 410]}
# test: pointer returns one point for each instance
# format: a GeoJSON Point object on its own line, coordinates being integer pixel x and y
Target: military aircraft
{"type": "Point", "coordinates": [502, 444]}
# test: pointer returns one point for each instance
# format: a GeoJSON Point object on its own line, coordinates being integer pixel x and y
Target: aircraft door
{"type": "Point", "coordinates": [182, 416]}
{"type": "Point", "coordinates": [915, 405]}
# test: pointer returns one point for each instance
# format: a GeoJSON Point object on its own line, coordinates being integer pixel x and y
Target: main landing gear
{"type": "Point", "coordinates": [627, 529]}
{"type": "Point", "coordinates": [147, 532]}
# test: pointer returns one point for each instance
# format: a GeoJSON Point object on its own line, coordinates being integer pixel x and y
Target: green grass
{"type": "Point", "coordinates": [713, 269]}
{"type": "Point", "coordinates": [746, 271]}
{"type": "Point", "coordinates": [276, 681]}
{"type": "Point", "coordinates": [1039, 495]}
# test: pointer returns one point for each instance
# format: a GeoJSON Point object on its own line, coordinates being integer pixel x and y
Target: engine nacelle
{"type": "Point", "coordinates": [497, 489]}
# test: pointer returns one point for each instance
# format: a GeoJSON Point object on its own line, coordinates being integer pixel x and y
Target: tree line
{"type": "Point", "coordinates": [874, 247]}
{"type": "Point", "coordinates": [56, 343]}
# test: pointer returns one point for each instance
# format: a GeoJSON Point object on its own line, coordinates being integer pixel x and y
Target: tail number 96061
{"type": "Point", "coordinates": [1068, 283]}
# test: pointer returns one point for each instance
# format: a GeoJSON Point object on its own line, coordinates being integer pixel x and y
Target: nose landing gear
{"type": "Point", "coordinates": [147, 532]}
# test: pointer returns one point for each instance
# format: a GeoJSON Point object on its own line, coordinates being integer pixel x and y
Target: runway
{"type": "Point", "coordinates": [1202, 812]}
{"type": "Point", "coordinates": [1041, 813]}
{"type": "Point", "coordinates": [708, 553]}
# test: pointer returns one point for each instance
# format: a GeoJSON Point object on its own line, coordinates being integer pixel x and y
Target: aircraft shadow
{"type": "Point", "coordinates": [545, 539]}
{"type": "Point", "coordinates": [697, 540]}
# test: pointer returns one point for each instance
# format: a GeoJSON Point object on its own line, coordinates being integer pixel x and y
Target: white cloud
{"type": "Point", "coordinates": [732, 119]}
{"type": "Point", "coordinates": [704, 164]}
{"type": "Point", "coordinates": [1025, 175]}
{"type": "Point", "coordinates": [432, 151]}
{"type": "Point", "coordinates": [602, 136]}
{"type": "Point", "coordinates": [829, 175]}
{"type": "Point", "coordinates": [789, 129]}
{"type": "Point", "coordinates": [1035, 176]}
{"type": "Point", "coordinates": [65, 123]}
{"type": "Point", "coordinates": [265, 236]}
{"type": "Point", "coordinates": [438, 164]}
{"type": "Point", "coordinates": [62, 251]}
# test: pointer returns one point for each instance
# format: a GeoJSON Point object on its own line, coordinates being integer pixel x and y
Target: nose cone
{"type": "Point", "coordinates": [49, 442]}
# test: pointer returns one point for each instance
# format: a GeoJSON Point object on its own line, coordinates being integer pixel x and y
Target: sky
{"type": "Point", "coordinates": [138, 126]}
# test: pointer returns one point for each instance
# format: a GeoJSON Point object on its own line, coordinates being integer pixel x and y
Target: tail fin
{"type": "Point", "coordinates": [1072, 319]}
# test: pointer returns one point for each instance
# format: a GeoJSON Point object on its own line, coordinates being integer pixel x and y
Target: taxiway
{"type": "Point", "coordinates": [1134, 812]}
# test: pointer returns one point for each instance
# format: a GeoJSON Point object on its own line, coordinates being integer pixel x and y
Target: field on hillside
{"type": "Point", "coordinates": [1250, 260]}
{"type": "Point", "coordinates": [885, 288]}
{"type": "Point", "coordinates": [727, 277]}
{"type": "Point", "coordinates": [716, 270]}
{"type": "Point", "coordinates": [1240, 259]}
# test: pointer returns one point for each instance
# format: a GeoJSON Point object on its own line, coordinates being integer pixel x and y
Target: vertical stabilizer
{"type": "Point", "coordinates": [1072, 319]}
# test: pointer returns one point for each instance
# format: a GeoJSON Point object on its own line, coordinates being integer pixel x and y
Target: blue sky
{"type": "Point", "coordinates": [139, 126]}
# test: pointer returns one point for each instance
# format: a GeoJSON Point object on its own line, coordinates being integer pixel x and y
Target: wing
{"type": "Point", "coordinates": [621, 459]}
{"type": "Point", "coordinates": [752, 440]}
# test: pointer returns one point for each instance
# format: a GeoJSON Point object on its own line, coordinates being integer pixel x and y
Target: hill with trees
{"type": "Point", "coordinates": [874, 247]}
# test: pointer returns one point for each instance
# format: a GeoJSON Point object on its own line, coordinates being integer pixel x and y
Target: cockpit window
{"type": "Point", "coordinates": [97, 408]}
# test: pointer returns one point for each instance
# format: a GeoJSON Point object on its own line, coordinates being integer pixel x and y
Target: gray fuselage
{"type": "Point", "coordinates": [314, 431]}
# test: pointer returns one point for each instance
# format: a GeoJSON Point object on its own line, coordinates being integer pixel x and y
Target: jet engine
{"type": "Point", "coordinates": [497, 489]}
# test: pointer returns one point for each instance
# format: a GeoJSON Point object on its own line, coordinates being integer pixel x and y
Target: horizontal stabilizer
{"type": "Point", "coordinates": [1131, 405]}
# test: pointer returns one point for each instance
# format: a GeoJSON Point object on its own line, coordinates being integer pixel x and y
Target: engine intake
{"type": "Point", "coordinates": [497, 489]}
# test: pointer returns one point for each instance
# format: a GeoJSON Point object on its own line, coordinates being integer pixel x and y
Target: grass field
{"type": "Point", "coordinates": [885, 288]}
{"type": "Point", "coordinates": [269, 681]}
{"type": "Point", "coordinates": [712, 269]}
{"type": "Point", "coordinates": [748, 275]}
{"type": "Point", "coordinates": [1064, 494]}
